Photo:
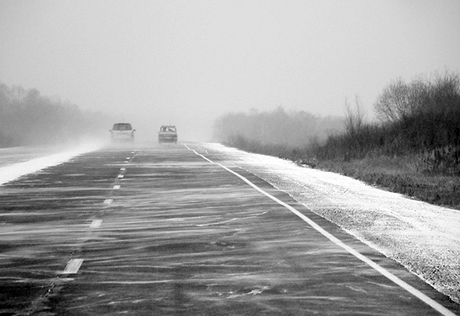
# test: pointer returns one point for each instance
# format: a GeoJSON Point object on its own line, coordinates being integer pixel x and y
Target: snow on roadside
{"type": "Point", "coordinates": [422, 237]}
{"type": "Point", "coordinates": [13, 171]}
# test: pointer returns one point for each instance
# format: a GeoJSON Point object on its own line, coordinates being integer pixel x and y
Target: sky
{"type": "Point", "coordinates": [188, 62]}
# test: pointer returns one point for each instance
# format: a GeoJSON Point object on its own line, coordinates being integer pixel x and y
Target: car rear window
{"type": "Point", "coordinates": [168, 129]}
{"type": "Point", "coordinates": [122, 127]}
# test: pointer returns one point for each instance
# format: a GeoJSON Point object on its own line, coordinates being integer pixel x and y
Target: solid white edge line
{"type": "Point", "coordinates": [427, 300]}
{"type": "Point", "coordinates": [73, 266]}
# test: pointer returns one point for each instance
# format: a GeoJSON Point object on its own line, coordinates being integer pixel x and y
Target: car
{"type": "Point", "coordinates": [122, 132]}
{"type": "Point", "coordinates": [167, 134]}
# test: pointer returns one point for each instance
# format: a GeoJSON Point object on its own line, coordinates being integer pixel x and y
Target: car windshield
{"type": "Point", "coordinates": [122, 127]}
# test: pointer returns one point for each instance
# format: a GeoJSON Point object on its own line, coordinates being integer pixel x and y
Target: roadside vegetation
{"type": "Point", "coordinates": [28, 118]}
{"type": "Point", "coordinates": [413, 148]}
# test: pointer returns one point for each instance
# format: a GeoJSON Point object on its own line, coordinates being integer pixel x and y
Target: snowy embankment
{"type": "Point", "coordinates": [422, 237]}
{"type": "Point", "coordinates": [19, 161]}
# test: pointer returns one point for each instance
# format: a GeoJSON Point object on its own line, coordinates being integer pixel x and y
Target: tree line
{"type": "Point", "coordinates": [28, 118]}
{"type": "Point", "coordinates": [274, 128]}
{"type": "Point", "coordinates": [419, 118]}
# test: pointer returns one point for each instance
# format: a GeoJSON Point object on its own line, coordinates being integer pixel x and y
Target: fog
{"type": "Point", "coordinates": [189, 62]}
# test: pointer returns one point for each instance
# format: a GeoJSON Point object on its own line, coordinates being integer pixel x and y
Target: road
{"type": "Point", "coordinates": [170, 230]}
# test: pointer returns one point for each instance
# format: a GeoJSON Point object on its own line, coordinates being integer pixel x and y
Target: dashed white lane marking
{"type": "Point", "coordinates": [73, 266]}
{"type": "Point", "coordinates": [96, 223]}
{"type": "Point", "coordinates": [430, 302]}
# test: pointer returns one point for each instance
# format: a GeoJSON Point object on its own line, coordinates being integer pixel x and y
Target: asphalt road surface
{"type": "Point", "coordinates": [170, 230]}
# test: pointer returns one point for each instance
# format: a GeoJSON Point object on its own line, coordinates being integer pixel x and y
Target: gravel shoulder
{"type": "Point", "coordinates": [422, 237]}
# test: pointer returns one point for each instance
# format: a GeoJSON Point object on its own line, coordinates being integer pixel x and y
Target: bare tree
{"type": "Point", "coordinates": [394, 103]}
{"type": "Point", "coordinates": [354, 117]}
{"type": "Point", "coordinates": [400, 101]}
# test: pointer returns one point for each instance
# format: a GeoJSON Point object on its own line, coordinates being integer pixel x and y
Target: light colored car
{"type": "Point", "coordinates": [167, 134]}
{"type": "Point", "coordinates": [122, 132]}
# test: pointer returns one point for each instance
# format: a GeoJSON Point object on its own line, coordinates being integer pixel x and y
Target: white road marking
{"type": "Point", "coordinates": [108, 201]}
{"type": "Point", "coordinates": [73, 266]}
{"type": "Point", "coordinates": [432, 303]}
{"type": "Point", "coordinates": [116, 187]}
{"type": "Point", "coordinates": [96, 223]}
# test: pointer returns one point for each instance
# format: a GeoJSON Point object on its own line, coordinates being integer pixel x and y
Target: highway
{"type": "Point", "coordinates": [178, 230]}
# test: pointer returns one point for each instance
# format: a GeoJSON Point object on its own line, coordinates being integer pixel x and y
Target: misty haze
{"type": "Point", "coordinates": [229, 157]}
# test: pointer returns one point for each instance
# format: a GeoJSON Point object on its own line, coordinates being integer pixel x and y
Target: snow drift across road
{"type": "Point", "coordinates": [422, 237]}
{"type": "Point", "coordinates": [10, 169]}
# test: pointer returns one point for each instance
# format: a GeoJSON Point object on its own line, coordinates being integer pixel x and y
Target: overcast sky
{"type": "Point", "coordinates": [187, 62]}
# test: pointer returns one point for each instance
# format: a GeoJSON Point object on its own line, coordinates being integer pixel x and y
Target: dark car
{"type": "Point", "coordinates": [122, 132]}
{"type": "Point", "coordinates": [167, 134]}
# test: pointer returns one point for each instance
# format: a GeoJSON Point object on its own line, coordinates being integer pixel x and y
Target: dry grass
{"type": "Point", "coordinates": [401, 175]}
{"type": "Point", "coordinates": [425, 176]}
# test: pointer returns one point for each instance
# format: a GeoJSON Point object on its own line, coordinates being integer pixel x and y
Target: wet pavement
{"type": "Point", "coordinates": [158, 230]}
